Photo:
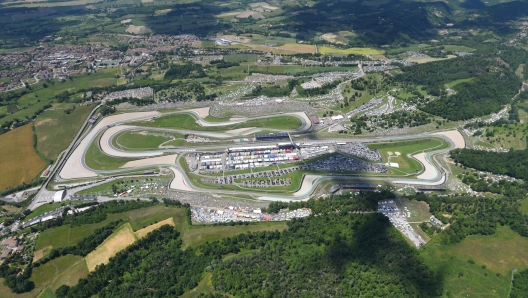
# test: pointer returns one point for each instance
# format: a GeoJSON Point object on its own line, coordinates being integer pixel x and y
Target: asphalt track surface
{"type": "Point", "coordinates": [75, 168]}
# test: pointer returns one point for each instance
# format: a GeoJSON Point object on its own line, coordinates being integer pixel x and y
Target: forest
{"type": "Point", "coordinates": [520, 285]}
{"type": "Point", "coordinates": [513, 163]}
{"type": "Point", "coordinates": [492, 83]}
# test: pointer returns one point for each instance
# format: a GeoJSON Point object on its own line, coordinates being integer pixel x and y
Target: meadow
{"type": "Point", "coordinates": [55, 129]}
{"type": "Point", "coordinates": [494, 257]}
{"type": "Point", "coordinates": [18, 160]}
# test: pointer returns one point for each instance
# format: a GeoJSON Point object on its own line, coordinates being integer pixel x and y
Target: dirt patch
{"type": "Point", "coordinates": [143, 232]}
{"type": "Point", "coordinates": [110, 247]}
{"type": "Point", "coordinates": [39, 254]}
{"type": "Point", "coordinates": [126, 21]}
{"type": "Point", "coordinates": [138, 29]}
{"type": "Point", "coordinates": [50, 121]}
{"type": "Point", "coordinates": [253, 14]}
{"type": "Point", "coordinates": [331, 37]}
{"type": "Point", "coordinates": [242, 39]}
{"type": "Point", "coordinates": [263, 5]}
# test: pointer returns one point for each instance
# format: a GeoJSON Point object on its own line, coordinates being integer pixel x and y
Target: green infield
{"type": "Point", "coordinates": [399, 151]}
{"type": "Point", "coordinates": [480, 265]}
{"type": "Point", "coordinates": [137, 140]}
{"type": "Point", "coordinates": [188, 122]}
{"type": "Point", "coordinates": [55, 129]}
{"type": "Point", "coordinates": [97, 160]}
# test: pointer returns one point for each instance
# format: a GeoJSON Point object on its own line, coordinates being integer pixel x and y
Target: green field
{"type": "Point", "coordinates": [198, 235]}
{"type": "Point", "coordinates": [499, 253]}
{"type": "Point", "coordinates": [455, 48]}
{"type": "Point", "coordinates": [524, 206]}
{"type": "Point", "coordinates": [454, 83]}
{"type": "Point", "coordinates": [237, 58]}
{"type": "Point", "coordinates": [18, 160]}
{"type": "Point", "coordinates": [188, 122]}
{"type": "Point", "coordinates": [55, 129]}
{"type": "Point", "coordinates": [419, 210]}
{"type": "Point", "coordinates": [66, 235]}
{"type": "Point", "coordinates": [41, 210]}
{"type": "Point", "coordinates": [407, 165]}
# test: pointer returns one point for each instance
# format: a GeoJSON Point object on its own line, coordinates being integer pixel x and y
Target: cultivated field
{"type": "Point", "coordinates": [110, 247]}
{"type": "Point", "coordinates": [300, 48]}
{"type": "Point", "coordinates": [18, 160]}
{"type": "Point", "coordinates": [143, 232]}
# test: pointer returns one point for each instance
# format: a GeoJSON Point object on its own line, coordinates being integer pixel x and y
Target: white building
{"type": "Point", "coordinates": [59, 196]}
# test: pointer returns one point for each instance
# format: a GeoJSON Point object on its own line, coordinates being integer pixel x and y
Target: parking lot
{"type": "Point", "coordinates": [360, 150]}
{"type": "Point", "coordinates": [343, 163]}
{"type": "Point", "coordinates": [399, 221]}
{"type": "Point", "coordinates": [237, 214]}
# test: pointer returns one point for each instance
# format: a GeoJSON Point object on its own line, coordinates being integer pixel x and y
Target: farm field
{"type": "Point", "coordinates": [143, 232]}
{"type": "Point", "coordinates": [300, 48]}
{"type": "Point", "coordinates": [325, 50]}
{"type": "Point", "coordinates": [407, 165]}
{"type": "Point", "coordinates": [118, 241]}
{"type": "Point", "coordinates": [499, 253]}
{"type": "Point", "coordinates": [18, 160]}
{"type": "Point", "coordinates": [55, 129]}
{"type": "Point", "coordinates": [66, 235]}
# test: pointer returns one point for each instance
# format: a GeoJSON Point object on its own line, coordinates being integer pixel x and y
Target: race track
{"type": "Point", "coordinates": [109, 127]}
